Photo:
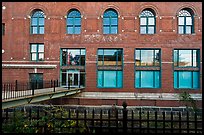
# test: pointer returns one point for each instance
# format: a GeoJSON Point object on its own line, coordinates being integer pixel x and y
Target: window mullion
{"type": "Point", "coordinates": [37, 52]}
{"type": "Point", "coordinates": [146, 25]}
{"type": "Point", "coordinates": [184, 25]}
{"type": "Point", "coordinates": [73, 25]}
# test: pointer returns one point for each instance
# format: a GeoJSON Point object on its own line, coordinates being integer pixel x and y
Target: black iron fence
{"type": "Point", "coordinates": [114, 120]}
{"type": "Point", "coordinates": [20, 89]}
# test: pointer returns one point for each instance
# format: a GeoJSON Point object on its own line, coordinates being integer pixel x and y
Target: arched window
{"type": "Point", "coordinates": [110, 22]}
{"type": "Point", "coordinates": [147, 22]}
{"type": "Point", "coordinates": [185, 21]}
{"type": "Point", "coordinates": [37, 22]}
{"type": "Point", "coordinates": [74, 22]}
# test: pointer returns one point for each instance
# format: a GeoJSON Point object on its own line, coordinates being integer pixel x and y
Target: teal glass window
{"type": "Point", "coordinates": [186, 21]}
{"type": "Point", "coordinates": [147, 79]}
{"type": "Point", "coordinates": [74, 22]}
{"type": "Point", "coordinates": [37, 22]}
{"type": "Point", "coordinates": [110, 79]}
{"type": "Point", "coordinates": [73, 57]}
{"type": "Point", "coordinates": [110, 57]}
{"type": "Point", "coordinates": [147, 57]}
{"type": "Point", "coordinates": [110, 22]}
{"type": "Point", "coordinates": [186, 58]}
{"type": "Point", "coordinates": [186, 79]}
{"type": "Point", "coordinates": [147, 22]}
{"type": "Point", "coordinates": [37, 52]}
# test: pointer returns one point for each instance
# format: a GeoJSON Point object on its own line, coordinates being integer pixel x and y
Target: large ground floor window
{"type": "Point", "coordinates": [72, 78]}
{"type": "Point", "coordinates": [110, 79]}
{"type": "Point", "coordinates": [147, 79]}
{"type": "Point", "coordinates": [186, 79]}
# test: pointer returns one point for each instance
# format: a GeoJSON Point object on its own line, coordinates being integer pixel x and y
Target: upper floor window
{"type": "Point", "coordinates": [74, 22]}
{"type": "Point", "coordinates": [185, 21]}
{"type": "Point", "coordinates": [186, 58]}
{"type": "Point", "coordinates": [147, 22]}
{"type": "Point", "coordinates": [37, 52]}
{"type": "Point", "coordinates": [110, 57]}
{"type": "Point", "coordinates": [110, 22]}
{"type": "Point", "coordinates": [73, 57]}
{"type": "Point", "coordinates": [37, 22]}
{"type": "Point", "coordinates": [147, 57]}
{"type": "Point", "coordinates": [3, 28]}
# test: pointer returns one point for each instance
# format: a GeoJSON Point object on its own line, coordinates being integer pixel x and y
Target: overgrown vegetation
{"type": "Point", "coordinates": [189, 102]}
{"type": "Point", "coordinates": [51, 120]}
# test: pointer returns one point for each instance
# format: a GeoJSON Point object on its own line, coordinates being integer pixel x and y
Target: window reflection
{"type": "Point", "coordinates": [73, 57]}
{"type": "Point", "coordinates": [110, 57]}
{"type": "Point", "coordinates": [147, 57]}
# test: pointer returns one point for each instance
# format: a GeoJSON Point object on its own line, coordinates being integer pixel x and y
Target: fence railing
{"type": "Point", "coordinates": [114, 120]}
{"type": "Point", "coordinates": [18, 89]}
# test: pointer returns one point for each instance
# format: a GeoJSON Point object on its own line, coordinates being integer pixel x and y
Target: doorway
{"type": "Point", "coordinates": [37, 79]}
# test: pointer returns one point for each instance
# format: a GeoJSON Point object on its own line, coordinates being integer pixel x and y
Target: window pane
{"type": "Point", "coordinates": [137, 80]}
{"type": "Point", "coordinates": [185, 80]}
{"type": "Point", "coordinates": [70, 30]}
{"type": "Point", "coordinates": [34, 30]}
{"type": "Point", "coordinates": [150, 21]}
{"type": "Point", "coordinates": [73, 56]}
{"type": "Point", "coordinates": [119, 79]}
{"type": "Point", "coordinates": [33, 48]}
{"type": "Point", "coordinates": [82, 57]}
{"type": "Point", "coordinates": [150, 30]}
{"type": "Point", "coordinates": [77, 21]}
{"type": "Point", "coordinates": [147, 79]}
{"type": "Point", "coordinates": [100, 57]}
{"type": "Point", "coordinates": [181, 20]}
{"type": "Point", "coordinates": [70, 21]}
{"type": "Point", "coordinates": [106, 30]}
{"type": "Point", "coordinates": [142, 30]}
{"type": "Point", "coordinates": [195, 62]}
{"type": "Point", "coordinates": [143, 21]}
{"type": "Point", "coordinates": [34, 56]}
{"type": "Point", "coordinates": [64, 80]}
{"type": "Point", "coordinates": [137, 58]}
{"type": "Point", "coordinates": [195, 79]}
{"type": "Point", "coordinates": [64, 57]}
{"type": "Point", "coordinates": [181, 29]}
{"type": "Point", "coordinates": [120, 57]}
{"type": "Point", "coordinates": [188, 21]}
{"type": "Point", "coordinates": [34, 21]}
{"type": "Point", "coordinates": [185, 58]}
{"type": "Point", "coordinates": [106, 21]}
{"type": "Point", "coordinates": [156, 79]}
{"type": "Point", "coordinates": [109, 78]}
{"type": "Point", "coordinates": [41, 56]}
{"type": "Point", "coordinates": [114, 21]}
{"type": "Point", "coordinates": [175, 57]}
{"type": "Point", "coordinates": [41, 48]}
{"type": "Point", "coordinates": [114, 30]}
{"type": "Point", "coordinates": [157, 57]}
{"type": "Point", "coordinates": [188, 29]}
{"type": "Point", "coordinates": [175, 79]}
{"type": "Point", "coordinates": [41, 21]}
{"type": "Point", "coordinates": [147, 57]}
{"type": "Point", "coordinates": [77, 30]}
{"type": "Point", "coordinates": [110, 57]}
{"type": "Point", "coordinates": [41, 30]}
{"type": "Point", "coordinates": [100, 79]}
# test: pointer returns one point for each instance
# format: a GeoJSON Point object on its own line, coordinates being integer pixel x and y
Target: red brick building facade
{"type": "Point", "coordinates": [40, 43]}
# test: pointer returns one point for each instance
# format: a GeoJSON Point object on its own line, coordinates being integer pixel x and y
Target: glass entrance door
{"type": "Point", "coordinates": [73, 78]}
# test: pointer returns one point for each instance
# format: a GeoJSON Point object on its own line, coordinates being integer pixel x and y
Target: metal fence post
{"type": "Point", "coordinates": [16, 85]}
{"type": "Point", "coordinates": [57, 83]}
{"type": "Point", "coordinates": [54, 85]}
{"type": "Point", "coordinates": [33, 87]}
{"type": "Point", "coordinates": [124, 117]}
